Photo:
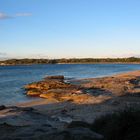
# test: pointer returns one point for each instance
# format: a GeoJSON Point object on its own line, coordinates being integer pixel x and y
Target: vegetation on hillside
{"type": "Point", "coordinates": [68, 61]}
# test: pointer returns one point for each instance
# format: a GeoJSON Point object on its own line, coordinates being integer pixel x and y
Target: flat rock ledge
{"type": "Point", "coordinates": [93, 90]}
{"type": "Point", "coordinates": [55, 88]}
{"type": "Point", "coordinates": [26, 123]}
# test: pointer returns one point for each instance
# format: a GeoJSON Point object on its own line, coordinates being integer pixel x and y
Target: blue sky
{"type": "Point", "coordinates": [69, 28]}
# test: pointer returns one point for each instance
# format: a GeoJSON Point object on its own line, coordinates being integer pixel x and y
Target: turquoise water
{"type": "Point", "coordinates": [13, 78]}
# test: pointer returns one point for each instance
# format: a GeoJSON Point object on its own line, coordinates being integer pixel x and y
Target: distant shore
{"type": "Point", "coordinates": [131, 60]}
{"type": "Point", "coordinates": [71, 63]}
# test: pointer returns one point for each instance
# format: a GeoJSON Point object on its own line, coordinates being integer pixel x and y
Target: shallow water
{"type": "Point", "coordinates": [13, 78]}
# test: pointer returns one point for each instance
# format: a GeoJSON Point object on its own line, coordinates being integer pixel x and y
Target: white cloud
{"type": "Point", "coordinates": [4, 16]}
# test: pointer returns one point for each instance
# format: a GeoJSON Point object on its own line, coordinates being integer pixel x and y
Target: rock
{"type": "Point", "coordinates": [37, 88]}
{"type": "Point", "coordinates": [74, 124]}
{"type": "Point", "coordinates": [96, 89]}
{"type": "Point", "coordinates": [27, 109]}
{"type": "Point", "coordinates": [27, 123]}
{"type": "Point", "coordinates": [64, 111]}
{"type": "Point", "coordinates": [56, 95]}
{"type": "Point", "coordinates": [49, 84]}
{"type": "Point", "coordinates": [114, 102]}
{"type": "Point", "coordinates": [117, 86]}
{"type": "Point", "coordinates": [58, 77]}
{"type": "Point", "coordinates": [65, 119]}
{"type": "Point", "coordinates": [2, 107]}
{"type": "Point", "coordinates": [33, 93]}
{"type": "Point", "coordinates": [78, 133]}
{"type": "Point", "coordinates": [53, 87]}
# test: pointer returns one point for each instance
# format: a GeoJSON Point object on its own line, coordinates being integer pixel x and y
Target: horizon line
{"type": "Point", "coordinates": [3, 59]}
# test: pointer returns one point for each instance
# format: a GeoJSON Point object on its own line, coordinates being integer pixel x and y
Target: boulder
{"type": "Point", "coordinates": [58, 77]}
{"type": "Point", "coordinates": [54, 83]}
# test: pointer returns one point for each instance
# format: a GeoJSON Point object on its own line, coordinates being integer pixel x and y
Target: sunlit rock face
{"type": "Point", "coordinates": [54, 87]}
{"type": "Point", "coordinates": [87, 90]}
{"type": "Point", "coordinates": [51, 82]}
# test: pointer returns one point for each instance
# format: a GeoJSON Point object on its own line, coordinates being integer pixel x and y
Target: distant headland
{"type": "Point", "coordinates": [27, 61]}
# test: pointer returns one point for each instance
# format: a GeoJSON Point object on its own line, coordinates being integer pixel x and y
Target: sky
{"type": "Point", "coordinates": [69, 28]}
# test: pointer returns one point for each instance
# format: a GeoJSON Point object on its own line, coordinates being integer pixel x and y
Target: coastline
{"type": "Point", "coordinates": [71, 63]}
{"type": "Point", "coordinates": [29, 61]}
{"type": "Point", "coordinates": [107, 95]}
{"type": "Point", "coordinates": [40, 101]}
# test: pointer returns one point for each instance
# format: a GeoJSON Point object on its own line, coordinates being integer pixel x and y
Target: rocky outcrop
{"type": "Point", "coordinates": [29, 124]}
{"type": "Point", "coordinates": [118, 85]}
{"type": "Point", "coordinates": [57, 77]}
{"type": "Point", "coordinates": [55, 87]}
{"type": "Point", "coordinates": [49, 84]}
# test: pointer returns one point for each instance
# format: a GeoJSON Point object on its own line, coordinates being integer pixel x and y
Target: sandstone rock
{"type": "Point", "coordinates": [33, 93]}
{"type": "Point", "coordinates": [46, 85]}
{"type": "Point", "coordinates": [37, 88]}
{"type": "Point", "coordinates": [117, 86]}
{"type": "Point", "coordinates": [96, 89]}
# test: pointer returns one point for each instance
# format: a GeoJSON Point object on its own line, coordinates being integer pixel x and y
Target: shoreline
{"type": "Point", "coordinates": [96, 98]}
{"type": "Point", "coordinates": [26, 61]}
{"type": "Point", "coordinates": [44, 101]}
{"type": "Point", "coordinates": [80, 81]}
{"type": "Point", "coordinates": [71, 63]}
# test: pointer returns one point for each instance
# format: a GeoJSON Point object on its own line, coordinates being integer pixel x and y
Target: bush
{"type": "Point", "coordinates": [119, 126]}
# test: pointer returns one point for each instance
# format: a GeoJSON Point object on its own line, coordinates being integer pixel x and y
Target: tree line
{"type": "Point", "coordinates": [69, 61]}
